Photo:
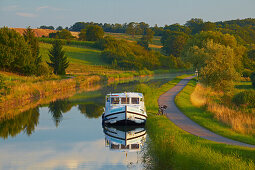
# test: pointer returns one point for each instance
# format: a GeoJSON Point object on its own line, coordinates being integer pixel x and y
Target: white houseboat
{"type": "Point", "coordinates": [124, 108]}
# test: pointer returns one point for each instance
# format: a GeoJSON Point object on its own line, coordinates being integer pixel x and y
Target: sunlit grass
{"type": "Point", "coordinates": [169, 147]}
{"type": "Point", "coordinates": [216, 117]}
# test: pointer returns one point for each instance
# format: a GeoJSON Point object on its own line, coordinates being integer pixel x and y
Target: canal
{"type": "Point", "coordinates": [68, 134]}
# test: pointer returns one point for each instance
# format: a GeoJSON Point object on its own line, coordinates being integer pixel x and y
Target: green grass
{"type": "Point", "coordinates": [169, 147]}
{"type": "Point", "coordinates": [205, 118]}
{"type": "Point", "coordinates": [76, 54]}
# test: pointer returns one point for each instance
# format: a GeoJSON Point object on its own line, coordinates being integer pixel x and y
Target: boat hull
{"type": "Point", "coordinates": [125, 115]}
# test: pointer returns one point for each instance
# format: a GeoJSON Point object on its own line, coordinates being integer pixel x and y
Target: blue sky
{"type": "Point", "coordinates": [23, 13]}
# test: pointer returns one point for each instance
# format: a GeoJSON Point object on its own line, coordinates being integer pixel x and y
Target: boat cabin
{"type": "Point", "coordinates": [124, 99]}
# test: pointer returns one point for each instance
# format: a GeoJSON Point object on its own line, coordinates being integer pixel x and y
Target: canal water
{"type": "Point", "coordinates": [68, 134]}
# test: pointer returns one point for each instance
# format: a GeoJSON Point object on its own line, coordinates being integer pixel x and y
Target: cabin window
{"type": "Point", "coordinates": [125, 100]}
{"type": "Point", "coordinates": [107, 99]}
{"type": "Point", "coordinates": [141, 99]}
{"type": "Point", "coordinates": [134, 146]}
{"type": "Point", "coordinates": [135, 100]}
{"type": "Point", "coordinates": [115, 100]}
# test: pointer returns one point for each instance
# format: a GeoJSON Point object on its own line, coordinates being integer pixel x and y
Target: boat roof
{"type": "Point", "coordinates": [126, 94]}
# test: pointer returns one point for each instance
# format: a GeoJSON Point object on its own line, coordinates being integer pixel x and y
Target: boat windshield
{"type": "Point", "coordinates": [125, 100]}
{"type": "Point", "coordinates": [135, 100]}
{"type": "Point", "coordinates": [115, 100]}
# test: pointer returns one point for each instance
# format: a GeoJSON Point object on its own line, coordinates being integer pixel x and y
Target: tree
{"type": "Point", "coordinates": [94, 33]}
{"type": "Point", "coordinates": [46, 27]}
{"type": "Point", "coordinates": [15, 53]}
{"type": "Point", "coordinates": [215, 58]}
{"type": "Point", "coordinates": [58, 59]}
{"type": "Point", "coordinates": [193, 50]}
{"type": "Point", "coordinates": [82, 35]}
{"type": "Point", "coordinates": [146, 38]}
{"type": "Point", "coordinates": [32, 40]}
{"type": "Point", "coordinates": [59, 28]}
{"type": "Point", "coordinates": [219, 71]}
{"type": "Point", "coordinates": [64, 34]}
{"type": "Point", "coordinates": [173, 42]}
{"type": "Point", "coordinates": [195, 24]}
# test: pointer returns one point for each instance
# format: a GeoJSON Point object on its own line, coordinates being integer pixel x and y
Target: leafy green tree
{"type": "Point", "coordinates": [219, 71]}
{"type": "Point", "coordinates": [146, 38]}
{"type": "Point", "coordinates": [82, 35]}
{"type": "Point", "coordinates": [46, 27]}
{"type": "Point", "coordinates": [59, 28]}
{"type": "Point", "coordinates": [64, 34]}
{"type": "Point", "coordinates": [173, 42]}
{"type": "Point", "coordinates": [193, 50]}
{"type": "Point", "coordinates": [15, 53]}
{"type": "Point", "coordinates": [32, 40]}
{"type": "Point", "coordinates": [195, 25]}
{"type": "Point", "coordinates": [58, 60]}
{"type": "Point", "coordinates": [94, 33]}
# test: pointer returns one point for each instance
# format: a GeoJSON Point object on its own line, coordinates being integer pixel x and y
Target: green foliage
{"type": "Point", "coordinates": [15, 53]}
{"type": "Point", "coordinates": [217, 56]}
{"type": "Point", "coordinates": [246, 98]}
{"type": "Point", "coordinates": [219, 71]}
{"type": "Point", "coordinates": [62, 34]}
{"type": "Point", "coordinates": [146, 38]}
{"type": "Point", "coordinates": [128, 55]}
{"type": "Point", "coordinates": [247, 73]}
{"type": "Point", "coordinates": [173, 42]}
{"type": "Point", "coordinates": [82, 35]}
{"type": "Point", "coordinates": [58, 59]}
{"type": "Point", "coordinates": [42, 69]}
{"type": "Point", "coordinates": [252, 76]}
{"type": "Point", "coordinates": [70, 42]}
{"type": "Point", "coordinates": [94, 33]}
{"type": "Point", "coordinates": [46, 27]}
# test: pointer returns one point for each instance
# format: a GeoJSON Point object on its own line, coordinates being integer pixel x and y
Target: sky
{"type": "Point", "coordinates": [34, 13]}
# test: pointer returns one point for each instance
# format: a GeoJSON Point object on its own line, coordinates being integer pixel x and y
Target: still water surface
{"type": "Point", "coordinates": [68, 134]}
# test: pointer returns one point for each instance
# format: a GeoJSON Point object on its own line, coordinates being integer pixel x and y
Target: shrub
{"type": "Point", "coordinates": [246, 97]}
{"type": "Point", "coordinates": [253, 79]}
{"type": "Point", "coordinates": [42, 69]}
{"type": "Point", "coordinates": [247, 73]}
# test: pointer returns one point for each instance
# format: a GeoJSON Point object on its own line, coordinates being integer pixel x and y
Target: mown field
{"type": "Point", "coordinates": [170, 147]}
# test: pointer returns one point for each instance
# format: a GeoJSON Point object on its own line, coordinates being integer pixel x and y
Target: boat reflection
{"type": "Point", "coordinates": [124, 138]}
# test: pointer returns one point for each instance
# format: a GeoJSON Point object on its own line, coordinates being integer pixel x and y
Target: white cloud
{"type": "Point", "coordinates": [24, 14]}
{"type": "Point", "coordinates": [49, 8]}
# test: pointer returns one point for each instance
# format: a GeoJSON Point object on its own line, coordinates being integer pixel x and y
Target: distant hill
{"type": "Point", "coordinates": [42, 32]}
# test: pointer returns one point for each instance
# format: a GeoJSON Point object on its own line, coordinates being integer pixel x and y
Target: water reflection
{"type": "Point", "coordinates": [124, 138]}
{"type": "Point", "coordinates": [26, 122]}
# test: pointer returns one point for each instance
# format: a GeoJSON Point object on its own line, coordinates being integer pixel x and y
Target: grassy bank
{"type": "Point", "coordinates": [169, 147]}
{"type": "Point", "coordinates": [209, 120]}
{"type": "Point", "coordinates": [32, 92]}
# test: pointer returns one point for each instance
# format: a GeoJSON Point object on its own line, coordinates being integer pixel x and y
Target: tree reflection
{"type": "Point", "coordinates": [91, 110]}
{"type": "Point", "coordinates": [58, 107]}
{"type": "Point", "coordinates": [26, 122]}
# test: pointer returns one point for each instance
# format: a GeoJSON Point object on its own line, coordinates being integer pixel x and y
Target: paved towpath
{"type": "Point", "coordinates": [185, 123]}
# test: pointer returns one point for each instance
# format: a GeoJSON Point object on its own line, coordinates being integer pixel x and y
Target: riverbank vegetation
{"type": "Point", "coordinates": [169, 147]}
